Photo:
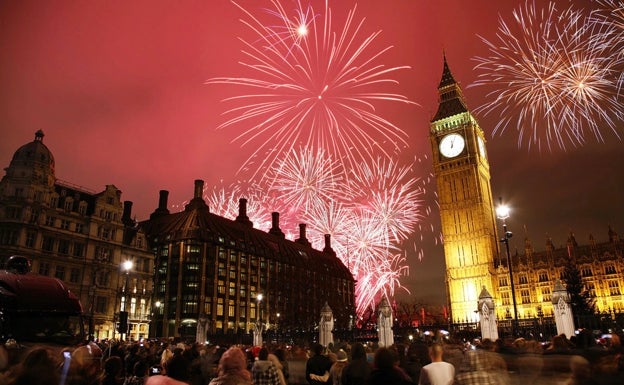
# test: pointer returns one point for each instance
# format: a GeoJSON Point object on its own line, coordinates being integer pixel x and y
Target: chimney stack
{"type": "Point", "coordinates": [328, 249]}
{"type": "Point", "coordinates": [302, 235]}
{"type": "Point", "coordinates": [275, 229]}
{"type": "Point", "coordinates": [162, 205]}
{"type": "Point", "coordinates": [198, 201]}
{"type": "Point", "coordinates": [126, 217]}
{"type": "Point", "coordinates": [199, 188]}
{"type": "Point", "coordinates": [242, 213]}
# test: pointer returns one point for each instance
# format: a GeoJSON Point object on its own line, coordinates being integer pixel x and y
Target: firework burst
{"type": "Point", "coordinates": [312, 86]}
{"type": "Point", "coordinates": [608, 21]}
{"type": "Point", "coordinates": [224, 201]}
{"type": "Point", "coordinates": [549, 78]}
{"type": "Point", "coordinates": [306, 178]}
{"type": "Point", "coordinates": [386, 191]}
{"type": "Point", "coordinates": [323, 152]}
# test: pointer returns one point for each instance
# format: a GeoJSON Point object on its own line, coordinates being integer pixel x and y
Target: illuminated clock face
{"type": "Point", "coordinates": [481, 147]}
{"type": "Point", "coordinates": [452, 145]}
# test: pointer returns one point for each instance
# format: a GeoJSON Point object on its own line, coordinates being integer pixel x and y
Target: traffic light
{"type": "Point", "coordinates": [123, 322]}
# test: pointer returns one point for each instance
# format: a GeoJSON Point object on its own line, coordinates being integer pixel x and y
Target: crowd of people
{"type": "Point", "coordinates": [579, 360]}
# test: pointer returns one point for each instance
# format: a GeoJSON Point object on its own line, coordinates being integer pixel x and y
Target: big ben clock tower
{"type": "Point", "coordinates": [462, 174]}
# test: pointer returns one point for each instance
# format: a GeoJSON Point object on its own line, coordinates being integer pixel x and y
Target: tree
{"type": "Point", "coordinates": [583, 302]}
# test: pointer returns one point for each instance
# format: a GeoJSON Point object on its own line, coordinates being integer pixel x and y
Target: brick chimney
{"type": "Point", "coordinates": [162, 205]}
{"type": "Point", "coordinates": [242, 213]}
{"type": "Point", "coordinates": [302, 235]}
{"type": "Point", "coordinates": [328, 249]}
{"type": "Point", "coordinates": [275, 229]}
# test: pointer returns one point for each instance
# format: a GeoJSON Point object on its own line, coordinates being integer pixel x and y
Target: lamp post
{"type": "Point", "coordinates": [502, 212]}
{"type": "Point", "coordinates": [259, 298]}
{"type": "Point", "coordinates": [123, 314]}
{"type": "Point", "coordinates": [155, 318]}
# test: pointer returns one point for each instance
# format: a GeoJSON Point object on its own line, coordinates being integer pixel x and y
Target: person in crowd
{"type": "Point", "coordinates": [358, 370]}
{"type": "Point", "coordinates": [130, 358]}
{"type": "Point", "coordinates": [139, 374]}
{"type": "Point", "coordinates": [385, 370]}
{"type": "Point", "coordinates": [113, 371]}
{"type": "Point", "coordinates": [318, 366]}
{"type": "Point", "coordinates": [581, 372]}
{"type": "Point", "coordinates": [209, 363]}
{"type": "Point", "coordinates": [166, 355]}
{"type": "Point", "coordinates": [417, 356]}
{"type": "Point", "coordinates": [559, 344]}
{"type": "Point", "coordinates": [280, 368]}
{"type": "Point", "coordinates": [264, 371]}
{"type": "Point", "coordinates": [437, 372]}
{"type": "Point", "coordinates": [232, 369]}
{"type": "Point", "coordinates": [39, 367]}
{"type": "Point", "coordinates": [85, 366]}
{"type": "Point", "coordinates": [281, 356]}
{"type": "Point", "coordinates": [335, 373]}
{"type": "Point", "coordinates": [176, 371]}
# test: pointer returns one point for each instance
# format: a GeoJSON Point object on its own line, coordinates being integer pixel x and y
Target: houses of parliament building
{"type": "Point", "coordinates": [473, 254]}
{"type": "Point", "coordinates": [195, 271]}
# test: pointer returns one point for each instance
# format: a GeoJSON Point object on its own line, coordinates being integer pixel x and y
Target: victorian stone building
{"type": "Point", "coordinates": [79, 236]}
{"type": "Point", "coordinates": [192, 273]}
{"type": "Point", "coordinates": [601, 265]}
{"type": "Point", "coordinates": [473, 256]}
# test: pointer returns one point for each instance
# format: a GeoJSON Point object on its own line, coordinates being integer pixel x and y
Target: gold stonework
{"type": "Point", "coordinates": [469, 230]}
{"type": "Point", "coordinates": [465, 198]}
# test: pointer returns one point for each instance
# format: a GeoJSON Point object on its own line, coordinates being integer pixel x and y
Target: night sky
{"type": "Point", "coordinates": [119, 89]}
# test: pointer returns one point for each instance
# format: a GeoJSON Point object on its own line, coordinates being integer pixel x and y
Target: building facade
{"type": "Point", "coordinates": [601, 265]}
{"type": "Point", "coordinates": [462, 173]}
{"type": "Point", "coordinates": [79, 236]}
{"type": "Point", "coordinates": [220, 278]}
{"type": "Point", "coordinates": [471, 245]}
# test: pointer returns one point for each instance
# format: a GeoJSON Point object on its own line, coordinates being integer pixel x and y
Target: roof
{"type": "Point", "coordinates": [35, 153]}
{"type": "Point", "coordinates": [196, 222]}
{"type": "Point", "coordinates": [451, 98]}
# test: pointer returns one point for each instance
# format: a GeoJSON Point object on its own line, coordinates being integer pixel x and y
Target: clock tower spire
{"type": "Point", "coordinates": [462, 174]}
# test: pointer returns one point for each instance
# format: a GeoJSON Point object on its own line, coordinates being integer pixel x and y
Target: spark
{"type": "Point", "coordinates": [305, 178]}
{"type": "Point", "coordinates": [224, 201]}
{"type": "Point", "coordinates": [311, 108]}
{"type": "Point", "coordinates": [321, 89]}
{"type": "Point", "coordinates": [549, 78]}
{"type": "Point", "coordinates": [388, 192]}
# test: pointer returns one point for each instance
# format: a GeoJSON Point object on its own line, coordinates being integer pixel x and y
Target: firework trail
{"type": "Point", "coordinates": [306, 178]}
{"type": "Point", "coordinates": [333, 218]}
{"type": "Point", "coordinates": [312, 86]}
{"type": "Point", "coordinates": [608, 21]}
{"type": "Point", "coordinates": [224, 201]}
{"type": "Point", "coordinates": [387, 191]}
{"type": "Point", "coordinates": [367, 216]}
{"type": "Point", "coordinates": [323, 153]}
{"type": "Point", "coordinates": [550, 78]}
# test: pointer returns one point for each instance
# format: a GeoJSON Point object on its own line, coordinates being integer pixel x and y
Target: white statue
{"type": "Point", "coordinates": [384, 324]}
{"type": "Point", "coordinates": [326, 326]}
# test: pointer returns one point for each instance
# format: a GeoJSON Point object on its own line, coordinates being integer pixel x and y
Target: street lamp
{"type": "Point", "coordinates": [126, 266]}
{"type": "Point", "coordinates": [155, 318]}
{"type": "Point", "coordinates": [123, 313]}
{"type": "Point", "coordinates": [502, 212]}
{"type": "Point", "coordinates": [259, 298]}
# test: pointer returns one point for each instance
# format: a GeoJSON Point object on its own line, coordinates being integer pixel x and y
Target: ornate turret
{"type": "Point", "coordinates": [451, 97]}
{"type": "Point", "coordinates": [32, 162]}
{"type": "Point", "coordinates": [459, 159]}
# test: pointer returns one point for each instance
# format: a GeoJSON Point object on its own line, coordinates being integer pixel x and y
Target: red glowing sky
{"type": "Point", "coordinates": [118, 88]}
